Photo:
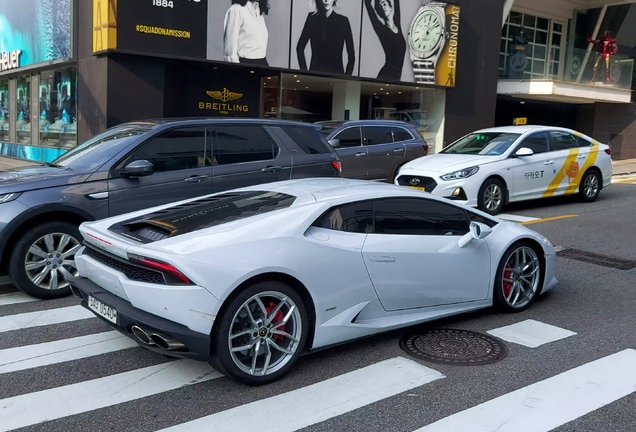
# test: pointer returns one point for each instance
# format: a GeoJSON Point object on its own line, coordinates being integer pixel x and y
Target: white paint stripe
{"type": "Point", "coordinates": [45, 317]}
{"type": "Point", "coordinates": [551, 403]}
{"type": "Point", "coordinates": [531, 333]}
{"type": "Point", "coordinates": [15, 298]}
{"type": "Point", "coordinates": [44, 354]}
{"type": "Point", "coordinates": [516, 218]}
{"type": "Point", "coordinates": [34, 408]}
{"type": "Point", "coordinates": [321, 401]}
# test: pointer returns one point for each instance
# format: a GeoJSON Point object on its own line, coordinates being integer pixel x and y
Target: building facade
{"type": "Point", "coordinates": [431, 63]}
{"type": "Point", "coordinates": [550, 73]}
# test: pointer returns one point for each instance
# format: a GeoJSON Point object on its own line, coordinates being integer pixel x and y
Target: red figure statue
{"type": "Point", "coordinates": [605, 47]}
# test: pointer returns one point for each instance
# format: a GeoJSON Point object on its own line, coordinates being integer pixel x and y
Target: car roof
{"type": "Point", "coordinates": [323, 189]}
{"type": "Point", "coordinates": [521, 129]}
{"type": "Point", "coordinates": [153, 122]}
{"type": "Point", "coordinates": [361, 122]}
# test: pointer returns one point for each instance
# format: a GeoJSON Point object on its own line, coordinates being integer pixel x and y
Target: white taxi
{"type": "Point", "coordinates": [492, 167]}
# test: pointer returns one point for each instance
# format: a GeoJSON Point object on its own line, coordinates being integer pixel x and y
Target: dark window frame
{"type": "Point", "coordinates": [365, 139]}
{"type": "Point", "coordinates": [346, 129]}
{"type": "Point", "coordinates": [303, 145]}
{"type": "Point", "coordinates": [523, 140]}
{"type": "Point", "coordinates": [553, 140]}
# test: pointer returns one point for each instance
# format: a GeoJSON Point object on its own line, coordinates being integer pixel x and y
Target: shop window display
{"type": "Point", "coordinates": [4, 110]}
{"type": "Point", "coordinates": [57, 113]}
{"type": "Point", "coordinates": [23, 118]}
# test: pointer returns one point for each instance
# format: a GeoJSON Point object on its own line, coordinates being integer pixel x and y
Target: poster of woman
{"type": "Point", "coordinates": [252, 32]}
{"type": "Point", "coordinates": [385, 19]}
{"type": "Point", "coordinates": [326, 36]}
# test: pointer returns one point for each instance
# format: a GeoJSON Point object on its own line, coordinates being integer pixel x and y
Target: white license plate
{"type": "Point", "coordinates": [102, 310]}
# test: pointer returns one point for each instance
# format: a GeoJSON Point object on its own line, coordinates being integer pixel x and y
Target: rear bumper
{"type": "Point", "coordinates": [197, 345]}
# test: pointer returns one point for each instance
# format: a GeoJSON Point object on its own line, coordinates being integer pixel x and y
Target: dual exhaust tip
{"type": "Point", "coordinates": [150, 337]}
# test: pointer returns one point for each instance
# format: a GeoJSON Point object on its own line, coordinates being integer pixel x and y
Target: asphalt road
{"type": "Point", "coordinates": [585, 380]}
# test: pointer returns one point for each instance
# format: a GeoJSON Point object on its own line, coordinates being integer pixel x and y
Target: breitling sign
{"type": "Point", "coordinates": [224, 105]}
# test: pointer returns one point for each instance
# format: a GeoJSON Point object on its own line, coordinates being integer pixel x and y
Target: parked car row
{"type": "Point", "coordinates": [139, 165]}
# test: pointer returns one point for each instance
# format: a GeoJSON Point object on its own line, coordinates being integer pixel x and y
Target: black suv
{"type": "Point", "coordinates": [134, 166]}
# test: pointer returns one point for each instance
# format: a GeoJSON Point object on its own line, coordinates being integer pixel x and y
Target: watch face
{"type": "Point", "coordinates": [426, 31]}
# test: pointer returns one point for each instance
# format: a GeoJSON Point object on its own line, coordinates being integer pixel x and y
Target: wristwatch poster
{"type": "Point", "coordinates": [433, 42]}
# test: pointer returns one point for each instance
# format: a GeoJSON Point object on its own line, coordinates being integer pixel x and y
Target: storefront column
{"type": "Point", "coordinates": [346, 97]}
{"type": "Point", "coordinates": [13, 109]}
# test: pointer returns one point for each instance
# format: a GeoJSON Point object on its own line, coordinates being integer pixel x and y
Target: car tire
{"type": "Point", "coordinates": [492, 196]}
{"type": "Point", "coordinates": [590, 186]}
{"type": "Point", "coordinates": [42, 258]}
{"type": "Point", "coordinates": [236, 328]}
{"type": "Point", "coordinates": [512, 281]}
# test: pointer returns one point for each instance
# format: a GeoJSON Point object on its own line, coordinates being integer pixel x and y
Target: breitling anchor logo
{"type": "Point", "coordinates": [223, 107]}
{"type": "Point", "coordinates": [225, 95]}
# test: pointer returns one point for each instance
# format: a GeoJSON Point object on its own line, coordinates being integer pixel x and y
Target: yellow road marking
{"type": "Point", "coordinates": [548, 219]}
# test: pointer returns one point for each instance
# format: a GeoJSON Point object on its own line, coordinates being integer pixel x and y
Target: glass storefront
{"type": "Point", "coordinates": [312, 99]}
{"type": "Point", "coordinates": [57, 112]}
{"type": "Point", "coordinates": [23, 118]}
{"type": "Point", "coordinates": [4, 110]}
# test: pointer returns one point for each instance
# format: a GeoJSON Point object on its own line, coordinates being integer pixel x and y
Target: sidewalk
{"type": "Point", "coordinates": [624, 167]}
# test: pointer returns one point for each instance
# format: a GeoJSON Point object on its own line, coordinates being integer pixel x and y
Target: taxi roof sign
{"type": "Point", "coordinates": [520, 121]}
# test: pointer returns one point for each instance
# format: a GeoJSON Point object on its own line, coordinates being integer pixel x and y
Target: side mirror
{"type": "Point", "coordinates": [335, 143]}
{"type": "Point", "coordinates": [478, 231]}
{"type": "Point", "coordinates": [523, 152]}
{"type": "Point", "coordinates": [138, 168]}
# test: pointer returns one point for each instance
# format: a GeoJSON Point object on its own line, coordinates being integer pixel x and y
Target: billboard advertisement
{"type": "Point", "coordinates": [413, 41]}
{"type": "Point", "coordinates": [34, 31]}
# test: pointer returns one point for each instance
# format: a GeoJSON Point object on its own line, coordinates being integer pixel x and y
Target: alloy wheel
{"type": "Point", "coordinates": [521, 275]}
{"type": "Point", "coordinates": [590, 185]}
{"type": "Point", "coordinates": [265, 333]}
{"type": "Point", "coordinates": [493, 196]}
{"type": "Point", "coordinates": [50, 260]}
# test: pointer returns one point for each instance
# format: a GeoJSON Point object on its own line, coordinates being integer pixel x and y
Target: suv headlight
{"type": "Point", "coordinates": [461, 174]}
{"type": "Point", "coordinates": [8, 197]}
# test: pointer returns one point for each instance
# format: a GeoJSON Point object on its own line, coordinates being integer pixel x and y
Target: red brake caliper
{"type": "Point", "coordinates": [277, 318]}
{"type": "Point", "coordinates": [507, 286]}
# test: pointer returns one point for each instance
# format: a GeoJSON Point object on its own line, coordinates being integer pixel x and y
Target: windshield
{"type": "Point", "coordinates": [488, 144]}
{"type": "Point", "coordinates": [98, 150]}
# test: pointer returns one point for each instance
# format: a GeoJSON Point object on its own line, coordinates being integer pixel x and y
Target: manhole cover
{"type": "Point", "coordinates": [454, 347]}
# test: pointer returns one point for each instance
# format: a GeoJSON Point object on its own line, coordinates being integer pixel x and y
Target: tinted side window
{"type": "Point", "coordinates": [375, 135]}
{"type": "Point", "coordinates": [400, 134]}
{"type": "Point", "coordinates": [472, 217]}
{"type": "Point", "coordinates": [350, 137]}
{"type": "Point", "coordinates": [355, 218]}
{"type": "Point", "coordinates": [563, 141]}
{"type": "Point", "coordinates": [307, 138]}
{"type": "Point", "coordinates": [175, 149]}
{"type": "Point", "coordinates": [414, 216]}
{"type": "Point", "coordinates": [538, 143]}
{"type": "Point", "coordinates": [583, 142]}
{"type": "Point", "coordinates": [237, 144]}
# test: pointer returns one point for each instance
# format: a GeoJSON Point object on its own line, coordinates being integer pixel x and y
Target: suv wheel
{"type": "Point", "coordinates": [43, 258]}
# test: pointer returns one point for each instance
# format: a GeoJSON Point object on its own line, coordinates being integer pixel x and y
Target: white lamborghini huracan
{"type": "Point", "coordinates": [252, 278]}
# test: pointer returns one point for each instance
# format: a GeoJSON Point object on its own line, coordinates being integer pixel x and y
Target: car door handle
{"type": "Point", "coordinates": [385, 259]}
{"type": "Point", "coordinates": [360, 154]}
{"type": "Point", "coordinates": [400, 150]}
{"type": "Point", "coordinates": [550, 162]}
{"type": "Point", "coordinates": [196, 178]}
{"type": "Point", "coordinates": [582, 157]}
{"type": "Point", "coordinates": [272, 169]}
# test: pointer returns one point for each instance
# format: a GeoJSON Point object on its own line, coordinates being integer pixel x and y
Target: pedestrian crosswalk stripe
{"type": "Point", "coordinates": [43, 318]}
{"type": "Point", "coordinates": [33, 408]}
{"type": "Point", "coordinates": [14, 298]}
{"type": "Point", "coordinates": [44, 354]}
{"type": "Point", "coordinates": [531, 333]}
{"type": "Point", "coordinates": [548, 404]}
{"type": "Point", "coordinates": [321, 401]}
